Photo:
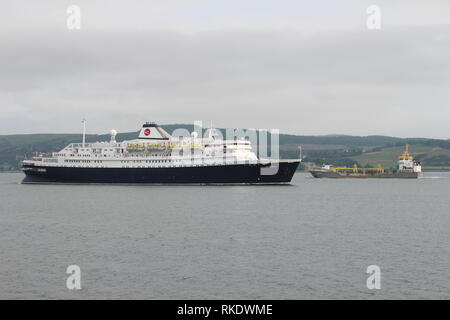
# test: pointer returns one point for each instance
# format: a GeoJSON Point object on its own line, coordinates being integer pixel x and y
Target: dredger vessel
{"type": "Point", "coordinates": [408, 168]}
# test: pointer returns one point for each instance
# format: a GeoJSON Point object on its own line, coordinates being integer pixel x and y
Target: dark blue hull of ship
{"type": "Point", "coordinates": [279, 173]}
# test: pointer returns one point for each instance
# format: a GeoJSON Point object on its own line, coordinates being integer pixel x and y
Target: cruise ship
{"type": "Point", "coordinates": [156, 157]}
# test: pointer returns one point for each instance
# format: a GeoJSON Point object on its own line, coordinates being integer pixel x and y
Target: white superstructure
{"type": "Point", "coordinates": [154, 147]}
{"type": "Point", "coordinates": [407, 163]}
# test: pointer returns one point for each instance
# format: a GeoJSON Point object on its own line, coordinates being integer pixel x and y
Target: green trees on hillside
{"type": "Point", "coordinates": [337, 150]}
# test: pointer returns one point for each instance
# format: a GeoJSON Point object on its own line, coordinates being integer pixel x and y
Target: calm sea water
{"type": "Point", "coordinates": [313, 239]}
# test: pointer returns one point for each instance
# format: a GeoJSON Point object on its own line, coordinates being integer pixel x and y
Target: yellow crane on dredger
{"type": "Point", "coordinates": [357, 170]}
{"type": "Point", "coordinates": [378, 169]}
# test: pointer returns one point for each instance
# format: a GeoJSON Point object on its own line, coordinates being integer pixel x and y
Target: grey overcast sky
{"type": "Point", "coordinates": [304, 67]}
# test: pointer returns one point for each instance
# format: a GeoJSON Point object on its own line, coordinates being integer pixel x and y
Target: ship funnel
{"type": "Point", "coordinates": [152, 131]}
{"type": "Point", "coordinates": [113, 134]}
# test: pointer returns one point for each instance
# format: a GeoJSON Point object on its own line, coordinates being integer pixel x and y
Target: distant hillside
{"type": "Point", "coordinates": [432, 157]}
{"type": "Point", "coordinates": [333, 149]}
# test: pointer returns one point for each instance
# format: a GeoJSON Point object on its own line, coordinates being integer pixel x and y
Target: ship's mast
{"type": "Point", "coordinates": [84, 132]}
{"type": "Point", "coordinates": [406, 154]}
